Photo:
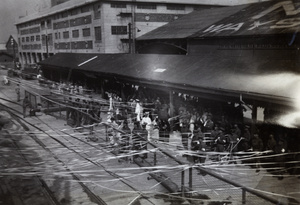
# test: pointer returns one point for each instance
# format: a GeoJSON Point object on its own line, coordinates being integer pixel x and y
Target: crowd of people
{"type": "Point", "coordinates": [201, 127]}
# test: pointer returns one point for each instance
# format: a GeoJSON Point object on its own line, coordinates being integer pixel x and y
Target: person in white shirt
{"type": "Point", "coordinates": [146, 121]}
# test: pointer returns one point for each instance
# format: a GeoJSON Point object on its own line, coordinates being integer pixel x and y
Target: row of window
{"type": "Point", "coordinates": [74, 45]}
{"type": "Point", "coordinates": [151, 6]}
{"type": "Point", "coordinates": [96, 8]}
{"type": "Point", "coordinates": [67, 45]}
{"type": "Point", "coordinates": [73, 22]}
{"type": "Point", "coordinates": [86, 32]}
{"type": "Point", "coordinates": [31, 38]}
{"type": "Point", "coordinates": [73, 12]}
{"type": "Point", "coordinates": [30, 31]}
{"type": "Point", "coordinates": [47, 23]}
{"type": "Point", "coordinates": [33, 46]}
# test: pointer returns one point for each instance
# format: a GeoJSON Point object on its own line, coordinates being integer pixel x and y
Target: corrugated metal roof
{"type": "Point", "coordinates": [189, 24]}
{"type": "Point", "coordinates": [273, 17]}
{"type": "Point", "coordinates": [53, 10]}
{"type": "Point", "coordinates": [268, 18]}
{"type": "Point", "coordinates": [239, 75]}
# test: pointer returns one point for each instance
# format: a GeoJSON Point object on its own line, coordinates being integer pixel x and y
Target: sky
{"type": "Point", "coordinates": [10, 10]}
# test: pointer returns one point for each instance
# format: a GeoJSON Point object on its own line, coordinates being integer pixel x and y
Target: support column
{"type": "Point", "coordinates": [191, 178]}
{"type": "Point", "coordinates": [26, 58]}
{"type": "Point", "coordinates": [102, 88]}
{"type": "Point", "coordinates": [21, 58]}
{"type": "Point", "coordinates": [254, 118]}
{"type": "Point", "coordinates": [243, 196]}
{"type": "Point", "coordinates": [31, 58]}
{"type": "Point", "coordinates": [182, 182]}
{"type": "Point", "coordinates": [171, 99]}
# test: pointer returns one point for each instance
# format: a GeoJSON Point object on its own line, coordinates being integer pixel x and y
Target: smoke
{"type": "Point", "coordinates": [282, 85]}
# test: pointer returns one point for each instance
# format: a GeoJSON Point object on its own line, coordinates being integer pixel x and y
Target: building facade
{"type": "Point", "coordinates": [94, 26]}
{"type": "Point", "coordinates": [12, 47]}
{"type": "Point", "coordinates": [91, 27]}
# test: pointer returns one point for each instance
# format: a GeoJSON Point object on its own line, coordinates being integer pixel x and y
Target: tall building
{"type": "Point", "coordinates": [94, 26]}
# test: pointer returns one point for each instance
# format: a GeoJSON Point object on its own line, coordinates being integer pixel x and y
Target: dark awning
{"type": "Point", "coordinates": [264, 80]}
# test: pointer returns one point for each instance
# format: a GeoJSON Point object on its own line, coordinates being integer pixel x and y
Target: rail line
{"type": "Point", "coordinates": [272, 200]}
{"type": "Point", "coordinates": [90, 193]}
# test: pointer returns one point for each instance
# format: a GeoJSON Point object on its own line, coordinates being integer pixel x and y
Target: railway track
{"type": "Point", "coordinates": [82, 142]}
{"type": "Point", "coordinates": [67, 144]}
{"type": "Point", "coordinates": [79, 145]}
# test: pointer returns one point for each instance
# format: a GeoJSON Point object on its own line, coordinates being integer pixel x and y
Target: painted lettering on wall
{"type": "Point", "coordinates": [226, 27]}
{"type": "Point", "coordinates": [289, 22]}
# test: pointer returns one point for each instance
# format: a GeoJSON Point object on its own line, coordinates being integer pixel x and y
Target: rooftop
{"type": "Point", "coordinates": [243, 75]}
{"type": "Point", "coordinates": [266, 18]}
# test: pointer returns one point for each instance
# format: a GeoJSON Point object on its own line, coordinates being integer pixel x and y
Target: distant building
{"type": "Point", "coordinates": [12, 47]}
{"type": "Point", "coordinates": [93, 26]}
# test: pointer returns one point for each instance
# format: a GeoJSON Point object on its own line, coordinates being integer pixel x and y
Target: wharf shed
{"type": "Point", "coordinates": [261, 30]}
{"type": "Point", "coordinates": [247, 53]}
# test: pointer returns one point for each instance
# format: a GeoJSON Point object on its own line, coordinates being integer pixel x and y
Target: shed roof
{"type": "Point", "coordinates": [189, 24]}
{"type": "Point", "coordinates": [268, 18]}
{"type": "Point", "coordinates": [241, 75]}
{"type": "Point", "coordinates": [265, 18]}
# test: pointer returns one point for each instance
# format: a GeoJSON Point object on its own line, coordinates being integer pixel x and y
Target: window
{"type": "Point", "coordinates": [146, 6]}
{"type": "Point", "coordinates": [85, 9]}
{"type": "Point", "coordinates": [66, 34]}
{"type": "Point", "coordinates": [73, 22]}
{"type": "Point", "coordinates": [73, 12]}
{"type": "Point", "coordinates": [57, 35]}
{"type": "Point", "coordinates": [44, 39]}
{"type": "Point", "coordinates": [175, 7]}
{"type": "Point", "coordinates": [27, 39]}
{"type": "Point", "coordinates": [97, 11]}
{"type": "Point", "coordinates": [32, 38]}
{"type": "Point", "coordinates": [50, 39]}
{"type": "Point", "coordinates": [37, 37]}
{"type": "Point", "coordinates": [49, 25]}
{"type": "Point", "coordinates": [64, 14]}
{"type": "Point", "coordinates": [86, 32]}
{"type": "Point", "coordinates": [75, 33]}
{"type": "Point", "coordinates": [118, 5]}
{"type": "Point", "coordinates": [23, 39]}
{"type": "Point", "coordinates": [98, 36]}
{"type": "Point", "coordinates": [43, 24]}
{"type": "Point", "coordinates": [118, 30]}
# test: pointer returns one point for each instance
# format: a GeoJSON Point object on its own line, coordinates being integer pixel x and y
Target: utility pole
{"type": "Point", "coordinates": [130, 38]}
{"type": "Point", "coordinates": [47, 45]}
{"type": "Point", "coordinates": [133, 27]}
